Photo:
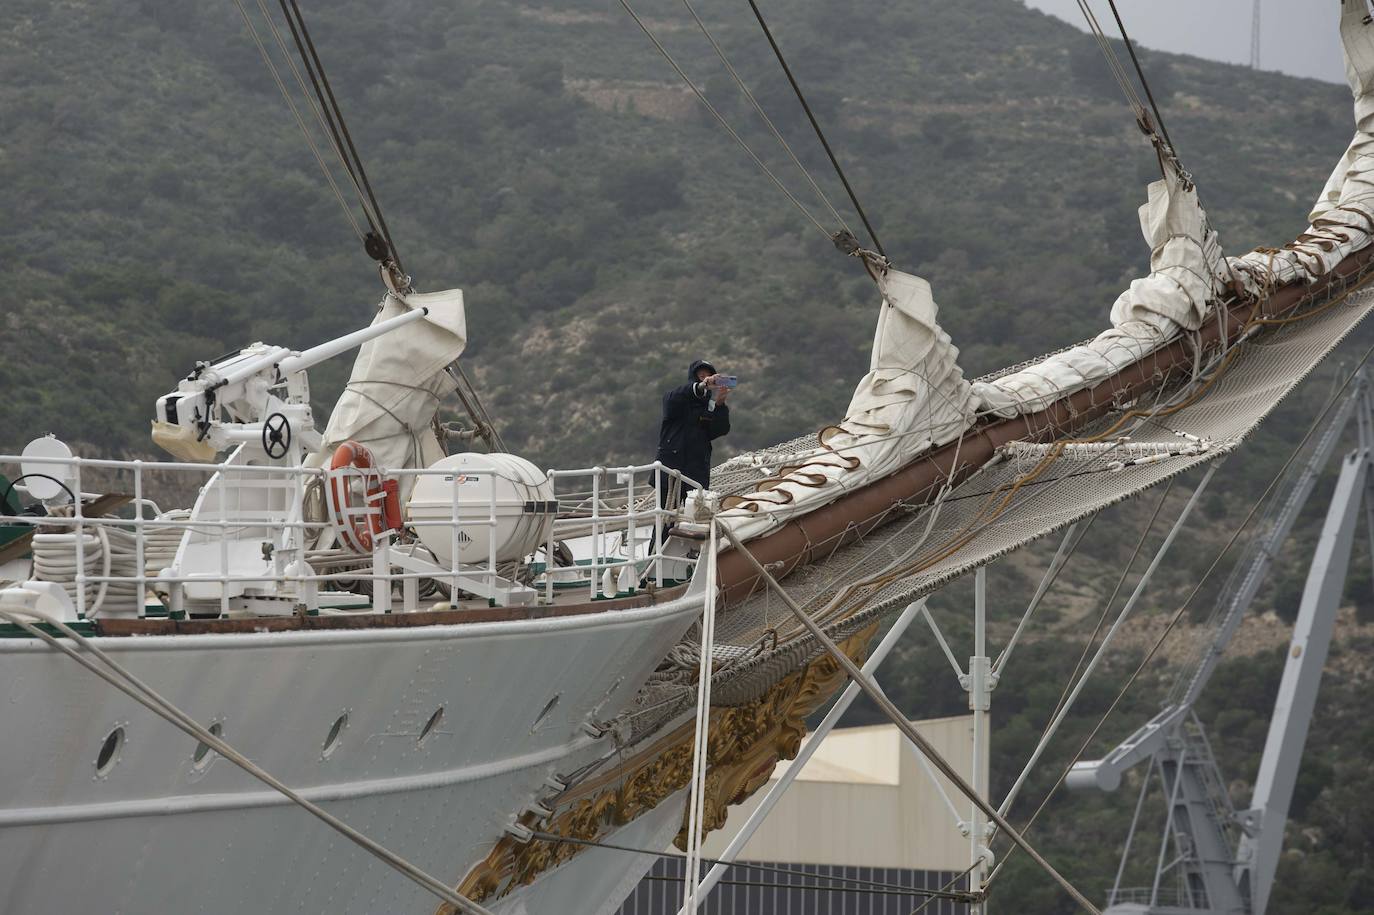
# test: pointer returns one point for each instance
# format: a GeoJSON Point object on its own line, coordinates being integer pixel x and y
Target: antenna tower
{"type": "Point", "coordinates": [1255, 37]}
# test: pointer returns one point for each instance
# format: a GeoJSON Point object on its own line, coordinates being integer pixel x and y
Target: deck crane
{"type": "Point", "coordinates": [1224, 860]}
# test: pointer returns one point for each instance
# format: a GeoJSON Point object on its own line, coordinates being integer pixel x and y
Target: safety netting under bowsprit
{"type": "Point", "coordinates": [1001, 508]}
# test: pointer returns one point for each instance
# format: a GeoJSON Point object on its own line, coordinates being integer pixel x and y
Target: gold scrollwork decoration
{"type": "Point", "coordinates": [746, 743]}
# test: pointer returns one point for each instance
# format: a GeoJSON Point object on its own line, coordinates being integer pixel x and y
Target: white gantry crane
{"type": "Point", "coordinates": [1213, 858]}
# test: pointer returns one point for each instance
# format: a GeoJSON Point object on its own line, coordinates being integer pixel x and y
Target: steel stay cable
{"type": "Point", "coordinates": [815, 125]}
{"type": "Point", "coordinates": [856, 882]}
{"type": "Point", "coordinates": [1111, 601]}
{"type": "Point", "coordinates": [321, 109]}
{"type": "Point", "coordinates": [121, 679]}
{"type": "Point", "coordinates": [1057, 565]}
{"type": "Point", "coordinates": [1071, 696]}
{"type": "Point", "coordinates": [1113, 62]}
{"type": "Point", "coordinates": [1178, 614]}
{"type": "Point", "coordinates": [477, 410]}
{"type": "Point", "coordinates": [948, 883]}
{"type": "Point", "coordinates": [347, 136]}
{"type": "Point", "coordinates": [701, 96]}
{"type": "Point", "coordinates": [720, 52]}
{"type": "Point", "coordinates": [291, 104]}
{"type": "Point", "coordinates": [1140, 72]}
{"type": "Point", "coordinates": [904, 725]}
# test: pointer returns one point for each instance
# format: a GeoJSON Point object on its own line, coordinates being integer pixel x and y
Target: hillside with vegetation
{"type": "Point", "coordinates": [161, 207]}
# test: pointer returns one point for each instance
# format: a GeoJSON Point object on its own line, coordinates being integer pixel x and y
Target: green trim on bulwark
{"type": "Point", "coordinates": [12, 631]}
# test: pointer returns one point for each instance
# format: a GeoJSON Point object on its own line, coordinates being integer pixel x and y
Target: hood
{"type": "Point", "coordinates": [696, 364]}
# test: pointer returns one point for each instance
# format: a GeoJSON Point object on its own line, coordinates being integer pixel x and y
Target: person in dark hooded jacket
{"type": "Point", "coordinates": [690, 424]}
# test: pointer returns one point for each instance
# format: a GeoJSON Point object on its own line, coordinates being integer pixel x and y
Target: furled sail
{"type": "Point", "coordinates": [1342, 221]}
{"type": "Point", "coordinates": [913, 397]}
{"type": "Point", "coordinates": [1186, 274]}
{"type": "Point", "coordinates": [397, 383]}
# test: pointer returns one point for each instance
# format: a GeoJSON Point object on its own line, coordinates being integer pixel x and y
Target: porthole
{"type": "Point", "coordinates": [205, 754]}
{"type": "Point", "coordinates": [548, 707]}
{"type": "Point", "coordinates": [430, 725]}
{"type": "Point", "coordinates": [109, 752]}
{"type": "Point", "coordinates": [331, 742]}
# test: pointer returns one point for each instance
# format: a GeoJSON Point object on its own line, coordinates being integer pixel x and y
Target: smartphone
{"type": "Point", "coordinates": [730, 381]}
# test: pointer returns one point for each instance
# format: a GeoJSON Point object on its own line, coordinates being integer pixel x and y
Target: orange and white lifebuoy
{"type": "Point", "coordinates": [358, 524]}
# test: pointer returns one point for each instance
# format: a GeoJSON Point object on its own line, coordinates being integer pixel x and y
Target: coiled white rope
{"type": "Point", "coordinates": [160, 544]}
{"type": "Point", "coordinates": [107, 553]}
{"type": "Point", "coordinates": [121, 679]}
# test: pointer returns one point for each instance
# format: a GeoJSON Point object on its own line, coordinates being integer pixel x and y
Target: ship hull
{"type": "Point", "coordinates": [155, 830]}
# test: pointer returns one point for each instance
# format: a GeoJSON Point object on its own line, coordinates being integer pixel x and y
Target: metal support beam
{"type": "Point", "coordinates": [1259, 849]}
{"type": "Point", "coordinates": [832, 718]}
{"type": "Point", "coordinates": [897, 718]}
{"type": "Point", "coordinates": [980, 684]}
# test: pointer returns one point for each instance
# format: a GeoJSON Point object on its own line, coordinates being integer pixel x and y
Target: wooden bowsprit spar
{"type": "Point", "coordinates": [853, 515]}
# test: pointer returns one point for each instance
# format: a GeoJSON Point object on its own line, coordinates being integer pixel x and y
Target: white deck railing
{"type": "Point", "coordinates": [613, 515]}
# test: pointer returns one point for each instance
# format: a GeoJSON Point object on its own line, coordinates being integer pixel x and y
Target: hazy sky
{"type": "Point", "coordinates": [1296, 36]}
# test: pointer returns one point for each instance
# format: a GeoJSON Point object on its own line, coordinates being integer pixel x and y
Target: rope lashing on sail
{"type": "Point", "coordinates": [118, 676]}
{"type": "Point", "coordinates": [815, 125]}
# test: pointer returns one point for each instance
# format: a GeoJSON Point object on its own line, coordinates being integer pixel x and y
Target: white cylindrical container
{"type": "Point", "coordinates": [474, 484]}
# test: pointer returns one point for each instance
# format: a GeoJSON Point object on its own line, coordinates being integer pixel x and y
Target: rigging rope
{"type": "Point", "coordinates": [318, 104]}
{"type": "Point", "coordinates": [815, 125]}
{"type": "Point", "coordinates": [701, 96]}
{"type": "Point", "coordinates": [856, 882]}
{"type": "Point", "coordinates": [766, 119]}
{"type": "Point", "coordinates": [938, 894]}
{"type": "Point", "coordinates": [1183, 607]}
{"type": "Point", "coordinates": [1164, 146]}
{"type": "Point", "coordinates": [1140, 72]}
{"type": "Point", "coordinates": [377, 241]}
{"type": "Point", "coordinates": [337, 115]}
{"type": "Point", "coordinates": [290, 103]}
{"type": "Point", "coordinates": [1116, 591]}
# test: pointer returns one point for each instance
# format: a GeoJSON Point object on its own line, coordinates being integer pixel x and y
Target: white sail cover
{"type": "Point", "coordinates": [1186, 274]}
{"type": "Point", "coordinates": [1343, 217]}
{"type": "Point", "coordinates": [913, 397]}
{"type": "Point", "coordinates": [397, 382]}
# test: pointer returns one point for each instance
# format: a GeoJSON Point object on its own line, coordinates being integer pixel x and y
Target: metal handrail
{"type": "Point", "coordinates": [626, 513]}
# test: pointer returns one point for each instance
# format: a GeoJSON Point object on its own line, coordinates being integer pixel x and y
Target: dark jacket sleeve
{"type": "Point", "coordinates": [680, 397]}
{"type": "Point", "coordinates": [720, 421]}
